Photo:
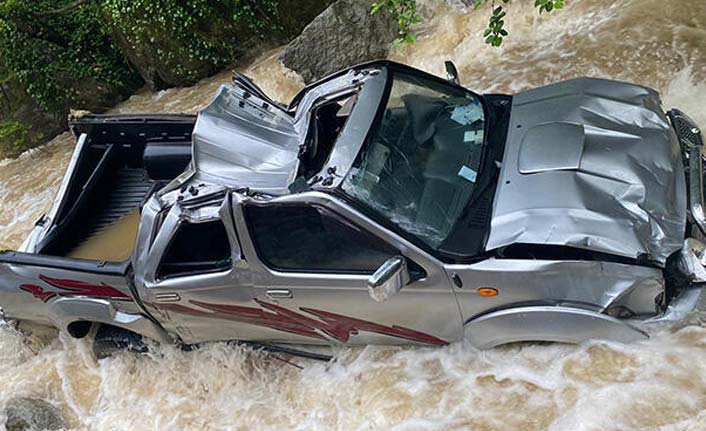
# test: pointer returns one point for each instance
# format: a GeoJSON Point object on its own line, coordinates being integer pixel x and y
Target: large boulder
{"type": "Point", "coordinates": [23, 123]}
{"type": "Point", "coordinates": [343, 35]}
{"type": "Point", "coordinates": [32, 414]}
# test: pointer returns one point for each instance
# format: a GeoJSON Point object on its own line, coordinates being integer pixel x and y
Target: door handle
{"type": "Point", "coordinates": [167, 297]}
{"type": "Point", "coordinates": [280, 293]}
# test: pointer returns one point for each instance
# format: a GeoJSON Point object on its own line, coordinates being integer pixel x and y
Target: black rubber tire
{"type": "Point", "coordinates": [111, 339]}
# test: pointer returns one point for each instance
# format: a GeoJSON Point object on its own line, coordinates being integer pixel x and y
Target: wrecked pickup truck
{"type": "Point", "coordinates": [382, 205]}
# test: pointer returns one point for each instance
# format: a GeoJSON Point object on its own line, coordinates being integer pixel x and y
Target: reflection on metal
{"type": "Point", "coordinates": [617, 188]}
{"type": "Point", "coordinates": [696, 188]}
{"type": "Point", "coordinates": [544, 323]}
{"type": "Point", "coordinates": [241, 140]}
{"type": "Point", "coordinates": [539, 151]}
{"type": "Point", "coordinates": [688, 301]}
{"type": "Point", "coordinates": [389, 279]}
{"type": "Point", "coordinates": [600, 285]}
{"type": "Point", "coordinates": [280, 293]}
{"type": "Point", "coordinates": [691, 261]}
{"type": "Point", "coordinates": [65, 311]}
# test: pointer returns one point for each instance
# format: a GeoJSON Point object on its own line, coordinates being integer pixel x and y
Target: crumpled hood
{"type": "Point", "coordinates": [592, 164]}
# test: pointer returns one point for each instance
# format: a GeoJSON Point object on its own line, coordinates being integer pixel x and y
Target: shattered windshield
{"type": "Point", "coordinates": [419, 165]}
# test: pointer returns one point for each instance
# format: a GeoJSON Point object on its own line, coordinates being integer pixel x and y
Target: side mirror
{"type": "Point", "coordinates": [388, 279]}
{"type": "Point", "coordinates": [451, 72]}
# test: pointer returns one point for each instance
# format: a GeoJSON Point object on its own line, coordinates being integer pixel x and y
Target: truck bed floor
{"type": "Point", "coordinates": [110, 231]}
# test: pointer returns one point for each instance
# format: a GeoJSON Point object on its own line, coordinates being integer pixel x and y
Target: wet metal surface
{"type": "Point", "coordinates": [615, 184]}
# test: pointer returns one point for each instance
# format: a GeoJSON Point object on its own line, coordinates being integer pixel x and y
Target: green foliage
{"type": "Point", "coordinates": [54, 47]}
{"type": "Point", "coordinates": [15, 137]}
{"type": "Point", "coordinates": [50, 52]}
{"type": "Point", "coordinates": [406, 13]}
{"type": "Point", "coordinates": [496, 27]}
{"type": "Point", "coordinates": [548, 5]}
{"type": "Point", "coordinates": [495, 32]}
{"type": "Point", "coordinates": [187, 36]}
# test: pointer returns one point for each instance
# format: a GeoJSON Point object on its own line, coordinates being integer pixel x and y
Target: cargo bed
{"type": "Point", "coordinates": [119, 162]}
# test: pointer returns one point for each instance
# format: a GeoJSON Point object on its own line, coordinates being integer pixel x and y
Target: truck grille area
{"type": "Point", "coordinates": [691, 142]}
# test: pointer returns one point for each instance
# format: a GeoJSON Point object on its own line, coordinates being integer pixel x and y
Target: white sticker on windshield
{"type": "Point", "coordinates": [473, 136]}
{"type": "Point", "coordinates": [467, 114]}
{"type": "Point", "coordinates": [467, 174]}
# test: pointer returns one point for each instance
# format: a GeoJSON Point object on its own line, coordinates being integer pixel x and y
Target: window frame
{"type": "Point", "coordinates": [391, 68]}
{"type": "Point", "coordinates": [312, 122]}
{"type": "Point", "coordinates": [227, 263]}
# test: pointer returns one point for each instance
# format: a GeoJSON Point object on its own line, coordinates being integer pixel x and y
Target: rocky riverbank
{"type": "Point", "coordinates": [92, 55]}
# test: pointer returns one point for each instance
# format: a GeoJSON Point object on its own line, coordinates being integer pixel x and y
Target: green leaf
{"type": "Point", "coordinates": [376, 8]}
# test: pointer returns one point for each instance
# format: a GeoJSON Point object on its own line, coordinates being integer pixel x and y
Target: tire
{"type": "Point", "coordinates": [110, 340]}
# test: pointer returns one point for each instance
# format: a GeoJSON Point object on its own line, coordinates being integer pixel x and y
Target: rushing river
{"type": "Point", "coordinates": [655, 385]}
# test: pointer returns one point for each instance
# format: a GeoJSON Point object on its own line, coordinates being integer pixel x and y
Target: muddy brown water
{"type": "Point", "coordinates": [659, 384]}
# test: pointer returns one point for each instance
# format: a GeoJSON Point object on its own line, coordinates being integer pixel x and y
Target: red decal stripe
{"type": "Point", "coordinates": [255, 316]}
{"type": "Point", "coordinates": [73, 288]}
{"type": "Point", "coordinates": [336, 326]}
{"type": "Point", "coordinates": [81, 288]}
{"type": "Point", "coordinates": [38, 292]}
{"type": "Point", "coordinates": [344, 326]}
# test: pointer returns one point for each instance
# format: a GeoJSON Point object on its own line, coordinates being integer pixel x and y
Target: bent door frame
{"type": "Point", "coordinates": [177, 302]}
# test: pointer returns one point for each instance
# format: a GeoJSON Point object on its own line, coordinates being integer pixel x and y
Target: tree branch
{"type": "Point", "coordinates": [73, 5]}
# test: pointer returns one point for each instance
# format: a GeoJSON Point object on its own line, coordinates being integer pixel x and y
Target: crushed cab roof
{"type": "Point", "coordinates": [241, 140]}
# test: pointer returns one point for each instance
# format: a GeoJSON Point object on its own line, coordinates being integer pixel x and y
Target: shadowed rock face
{"type": "Point", "coordinates": [343, 35]}
{"type": "Point", "coordinates": [29, 414]}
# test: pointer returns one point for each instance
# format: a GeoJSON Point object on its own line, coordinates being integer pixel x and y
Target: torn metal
{"type": "Point", "coordinates": [591, 164]}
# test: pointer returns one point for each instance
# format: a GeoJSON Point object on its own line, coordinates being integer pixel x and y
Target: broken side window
{"type": "Point", "coordinates": [327, 121]}
{"type": "Point", "coordinates": [196, 248]}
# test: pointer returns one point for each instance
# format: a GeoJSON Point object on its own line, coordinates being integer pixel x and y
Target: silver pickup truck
{"type": "Point", "coordinates": [383, 205]}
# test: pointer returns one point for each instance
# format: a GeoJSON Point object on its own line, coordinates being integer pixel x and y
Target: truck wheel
{"type": "Point", "coordinates": [111, 339]}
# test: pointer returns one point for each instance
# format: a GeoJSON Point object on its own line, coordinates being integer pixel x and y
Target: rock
{"type": "Point", "coordinates": [17, 106]}
{"type": "Point", "coordinates": [42, 124]}
{"type": "Point", "coordinates": [32, 414]}
{"type": "Point", "coordinates": [343, 35]}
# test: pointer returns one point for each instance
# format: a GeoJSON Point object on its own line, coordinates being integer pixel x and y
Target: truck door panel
{"type": "Point", "coordinates": [319, 285]}
{"type": "Point", "coordinates": [193, 262]}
